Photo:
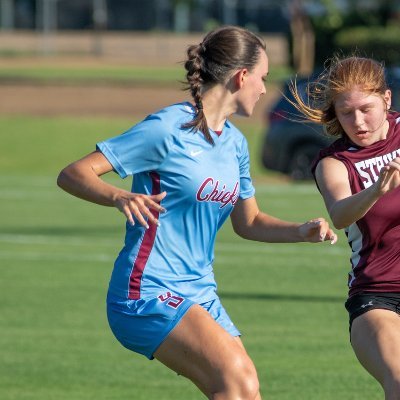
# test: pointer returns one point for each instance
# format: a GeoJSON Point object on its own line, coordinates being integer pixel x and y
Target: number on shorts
{"type": "Point", "coordinates": [173, 301]}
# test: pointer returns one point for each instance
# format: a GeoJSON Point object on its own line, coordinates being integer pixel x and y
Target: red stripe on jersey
{"type": "Point", "coordinates": [145, 248]}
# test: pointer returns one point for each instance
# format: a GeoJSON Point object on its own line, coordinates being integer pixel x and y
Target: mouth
{"type": "Point", "coordinates": [361, 133]}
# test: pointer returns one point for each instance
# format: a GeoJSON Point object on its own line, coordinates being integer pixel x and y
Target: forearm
{"type": "Point", "coordinates": [252, 224]}
{"type": "Point", "coordinates": [346, 211]}
{"type": "Point", "coordinates": [82, 179]}
{"type": "Point", "coordinates": [87, 185]}
{"type": "Point", "coordinates": [265, 228]}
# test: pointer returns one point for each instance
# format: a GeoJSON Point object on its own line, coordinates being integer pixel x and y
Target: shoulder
{"type": "Point", "coordinates": [164, 124]}
{"type": "Point", "coordinates": [236, 135]}
{"type": "Point", "coordinates": [170, 116]}
{"type": "Point", "coordinates": [233, 130]}
{"type": "Point", "coordinates": [330, 169]}
{"type": "Point", "coordinates": [394, 121]}
{"type": "Point", "coordinates": [395, 116]}
{"type": "Point", "coordinates": [328, 164]}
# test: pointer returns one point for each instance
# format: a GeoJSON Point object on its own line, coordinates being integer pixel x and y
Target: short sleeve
{"type": "Point", "coordinates": [246, 185]}
{"type": "Point", "coordinates": [141, 148]}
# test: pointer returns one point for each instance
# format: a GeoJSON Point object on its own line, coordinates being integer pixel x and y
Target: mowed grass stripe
{"type": "Point", "coordinates": [221, 247]}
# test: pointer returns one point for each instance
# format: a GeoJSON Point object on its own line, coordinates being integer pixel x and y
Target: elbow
{"type": "Point", "coordinates": [339, 223]}
{"type": "Point", "coordinates": [339, 226]}
{"type": "Point", "coordinates": [64, 179]}
{"type": "Point", "coordinates": [241, 231]}
{"type": "Point", "coordinates": [338, 218]}
{"type": "Point", "coordinates": [236, 229]}
{"type": "Point", "coordinates": [61, 179]}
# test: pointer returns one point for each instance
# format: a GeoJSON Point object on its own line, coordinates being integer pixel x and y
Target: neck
{"type": "Point", "coordinates": [217, 106]}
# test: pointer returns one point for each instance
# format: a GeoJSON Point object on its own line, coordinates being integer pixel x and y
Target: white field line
{"type": "Point", "coordinates": [56, 257]}
{"type": "Point", "coordinates": [19, 194]}
{"type": "Point", "coordinates": [57, 241]}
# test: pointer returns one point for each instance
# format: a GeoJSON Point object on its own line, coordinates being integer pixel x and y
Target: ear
{"type": "Point", "coordinates": [240, 77]}
{"type": "Point", "coordinates": [388, 99]}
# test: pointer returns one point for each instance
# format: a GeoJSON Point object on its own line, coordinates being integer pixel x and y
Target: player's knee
{"type": "Point", "coordinates": [241, 379]}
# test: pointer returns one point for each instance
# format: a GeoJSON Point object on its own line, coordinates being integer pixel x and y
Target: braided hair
{"type": "Point", "coordinates": [222, 52]}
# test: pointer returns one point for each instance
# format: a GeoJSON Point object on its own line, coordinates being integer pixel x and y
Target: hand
{"type": "Point", "coordinates": [317, 230]}
{"type": "Point", "coordinates": [139, 206]}
{"type": "Point", "coordinates": [389, 177]}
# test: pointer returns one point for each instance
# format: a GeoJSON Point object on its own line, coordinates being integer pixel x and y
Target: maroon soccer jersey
{"type": "Point", "coordinates": [374, 239]}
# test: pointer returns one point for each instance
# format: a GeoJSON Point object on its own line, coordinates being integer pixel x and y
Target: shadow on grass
{"type": "Point", "coordinates": [282, 297]}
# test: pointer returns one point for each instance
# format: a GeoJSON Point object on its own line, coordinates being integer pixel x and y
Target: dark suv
{"type": "Point", "coordinates": [290, 146]}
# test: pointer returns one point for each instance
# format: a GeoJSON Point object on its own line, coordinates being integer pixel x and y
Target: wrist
{"type": "Point", "coordinates": [301, 233]}
{"type": "Point", "coordinates": [376, 191]}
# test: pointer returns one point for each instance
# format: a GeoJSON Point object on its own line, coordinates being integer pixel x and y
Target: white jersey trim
{"type": "Point", "coordinates": [354, 237]}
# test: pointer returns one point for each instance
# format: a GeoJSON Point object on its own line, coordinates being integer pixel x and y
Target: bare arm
{"type": "Point", "coordinates": [82, 179]}
{"type": "Point", "coordinates": [250, 223]}
{"type": "Point", "coordinates": [343, 207]}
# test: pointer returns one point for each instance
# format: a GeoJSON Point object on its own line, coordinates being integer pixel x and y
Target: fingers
{"type": "Point", "coordinates": [319, 231]}
{"type": "Point", "coordinates": [331, 236]}
{"type": "Point", "coordinates": [395, 163]}
{"type": "Point", "coordinates": [155, 200]}
{"type": "Point", "coordinates": [389, 178]}
{"type": "Point", "coordinates": [141, 207]}
{"type": "Point", "coordinates": [326, 232]}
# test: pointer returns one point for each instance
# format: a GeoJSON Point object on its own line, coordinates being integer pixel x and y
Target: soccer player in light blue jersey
{"type": "Point", "coordinates": [190, 168]}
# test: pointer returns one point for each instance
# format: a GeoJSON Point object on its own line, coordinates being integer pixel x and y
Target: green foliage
{"type": "Point", "coordinates": [56, 255]}
{"type": "Point", "coordinates": [380, 43]}
{"type": "Point", "coordinates": [370, 23]}
{"type": "Point", "coordinates": [44, 146]}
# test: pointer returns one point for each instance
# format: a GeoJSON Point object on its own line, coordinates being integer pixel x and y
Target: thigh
{"type": "Point", "coordinates": [142, 325]}
{"type": "Point", "coordinates": [375, 337]}
{"type": "Point", "coordinates": [200, 349]}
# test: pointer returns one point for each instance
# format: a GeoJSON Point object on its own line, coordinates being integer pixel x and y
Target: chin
{"type": "Point", "coordinates": [244, 113]}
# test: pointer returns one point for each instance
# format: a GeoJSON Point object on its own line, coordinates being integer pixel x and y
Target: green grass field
{"type": "Point", "coordinates": [56, 255]}
{"type": "Point", "coordinates": [120, 74]}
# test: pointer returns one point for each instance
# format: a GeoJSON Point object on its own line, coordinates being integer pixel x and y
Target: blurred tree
{"type": "Point", "coordinates": [302, 39]}
{"type": "Point", "coordinates": [7, 14]}
{"type": "Point", "coordinates": [99, 15]}
{"type": "Point", "coordinates": [329, 17]}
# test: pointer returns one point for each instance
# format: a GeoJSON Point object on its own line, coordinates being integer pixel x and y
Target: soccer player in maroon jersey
{"type": "Point", "coordinates": [359, 178]}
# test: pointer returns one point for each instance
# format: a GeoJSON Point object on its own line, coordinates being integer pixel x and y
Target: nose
{"type": "Point", "coordinates": [263, 89]}
{"type": "Point", "coordinates": [358, 118]}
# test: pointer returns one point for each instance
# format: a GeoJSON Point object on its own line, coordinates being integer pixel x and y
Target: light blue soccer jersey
{"type": "Point", "coordinates": [202, 181]}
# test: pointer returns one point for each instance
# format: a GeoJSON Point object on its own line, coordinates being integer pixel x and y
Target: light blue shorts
{"type": "Point", "coordinates": [142, 325]}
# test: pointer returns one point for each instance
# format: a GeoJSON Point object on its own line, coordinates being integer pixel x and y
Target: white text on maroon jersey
{"type": "Point", "coordinates": [211, 190]}
{"type": "Point", "coordinates": [369, 169]}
